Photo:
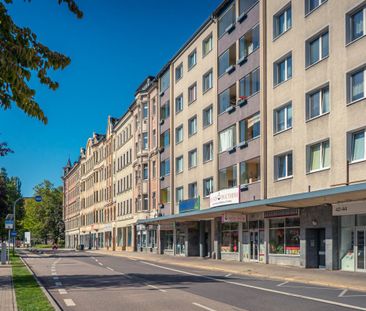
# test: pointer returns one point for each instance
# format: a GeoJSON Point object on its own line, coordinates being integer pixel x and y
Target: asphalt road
{"type": "Point", "coordinates": [82, 281]}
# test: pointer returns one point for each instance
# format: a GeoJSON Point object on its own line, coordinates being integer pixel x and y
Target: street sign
{"type": "Point", "coordinates": [27, 237]}
{"type": "Point", "coordinates": [38, 198]}
{"type": "Point", "coordinates": [9, 224]}
{"type": "Point", "coordinates": [13, 234]}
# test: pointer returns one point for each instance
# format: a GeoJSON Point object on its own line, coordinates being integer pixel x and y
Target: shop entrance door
{"type": "Point", "coordinates": [361, 249]}
{"type": "Point", "coordinates": [254, 245]}
{"type": "Point", "coordinates": [181, 245]}
{"type": "Point", "coordinates": [315, 249]}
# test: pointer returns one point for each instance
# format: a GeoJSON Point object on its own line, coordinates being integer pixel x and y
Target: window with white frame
{"type": "Point", "coordinates": [207, 45]}
{"type": "Point", "coordinates": [145, 205]}
{"type": "Point", "coordinates": [179, 103]}
{"type": "Point", "coordinates": [282, 21]}
{"type": "Point", "coordinates": [179, 164]}
{"type": "Point", "coordinates": [226, 19]}
{"type": "Point", "coordinates": [356, 85]}
{"type": "Point", "coordinates": [207, 81]}
{"type": "Point", "coordinates": [192, 93]}
{"type": "Point", "coordinates": [318, 156]}
{"type": "Point", "coordinates": [207, 186]}
{"type": "Point", "coordinates": [179, 72]}
{"type": "Point", "coordinates": [192, 190]}
{"type": "Point", "coordinates": [192, 158]}
{"type": "Point", "coordinates": [179, 194]}
{"type": "Point", "coordinates": [282, 70]}
{"type": "Point", "coordinates": [311, 5]}
{"type": "Point", "coordinates": [317, 48]}
{"type": "Point", "coordinates": [192, 126]}
{"type": "Point", "coordinates": [249, 42]}
{"type": "Point", "coordinates": [179, 134]}
{"type": "Point", "coordinates": [145, 140]}
{"type": "Point", "coordinates": [145, 173]}
{"type": "Point", "coordinates": [283, 118]}
{"type": "Point", "coordinates": [358, 146]}
{"type": "Point", "coordinates": [192, 59]}
{"type": "Point", "coordinates": [208, 151]}
{"type": "Point", "coordinates": [227, 138]}
{"type": "Point", "coordinates": [283, 166]}
{"type": "Point", "coordinates": [145, 110]}
{"type": "Point", "coordinates": [317, 102]}
{"type": "Point", "coordinates": [249, 85]}
{"type": "Point", "coordinates": [356, 26]}
{"type": "Point", "coordinates": [207, 116]}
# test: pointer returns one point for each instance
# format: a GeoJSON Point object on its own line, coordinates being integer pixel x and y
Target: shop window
{"type": "Point", "coordinates": [168, 240]}
{"type": "Point", "coordinates": [284, 236]}
{"type": "Point", "coordinates": [230, 238]}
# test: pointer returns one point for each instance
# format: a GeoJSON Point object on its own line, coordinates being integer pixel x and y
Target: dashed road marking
{"type": "Point", "coordinates": [343, 292]}
{"type": "Point", "coordinates": [54, 273]}
{"type": "Point", "coordinates": [62, 291]}
{"type": "Point", "coordinates": [155, 287]}
{"type": "Point", "coordinates": [110, 268]}
{"type": "Point", "coordinates": [100, 263]}
{"type": "Point", "coordinates": [69, 303]}
{"type": "Point", "coordinates": [202, 306]}
{"type": "Point", "coordinates": [284, 283]}
{"type": "Point", "coordinates": [227, 275]}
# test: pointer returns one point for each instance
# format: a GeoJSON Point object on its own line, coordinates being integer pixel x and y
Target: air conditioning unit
{"type": "Point", "coordinates": [230, 69]}
{"type": "Point", "coordinates": [231, 150]}
{"type": "Point", "coordinates": [242, 60]}
{"type": "Point", "coordinates": [243, 145]}
{"type": "Point", "coordinates": [230, 28]}
{"type": "Point", "coordinates": [242, 17]}
{"type": "Point", "coordinates": [242, 101]}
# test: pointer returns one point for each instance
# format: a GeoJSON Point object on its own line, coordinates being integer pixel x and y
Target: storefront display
{"type": "Point", "coordinates": [230, 238]}
{"type": "Point", "coordinates": [284, 236]}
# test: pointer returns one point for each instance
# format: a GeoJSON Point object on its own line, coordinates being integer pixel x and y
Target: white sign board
{"type": "Point", "coordinates": [9, 224]}
{"type": "Point", "coordinates": [349, 208]}
{"type": "Point", "coordinates": [27, 237]}
{"type": "Point", "coordinates": [225, 197]}
{"type": "Point", "coordinates": [232, 217]}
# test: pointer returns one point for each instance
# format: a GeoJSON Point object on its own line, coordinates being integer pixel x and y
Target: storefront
{"type": "Point", "coordinates": [253, 238]}
{"type": "Point", "coordinates": [230, 241]}
{"type": "Point", "coordinates": [352, 247]}
{"type": "Point", "coordinates": [167, 239]}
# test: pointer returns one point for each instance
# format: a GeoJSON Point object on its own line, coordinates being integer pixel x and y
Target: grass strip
{"type": "Point", "coordinates": [28, 294]}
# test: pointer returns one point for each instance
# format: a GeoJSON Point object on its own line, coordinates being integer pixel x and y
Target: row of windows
{"type": "Point", "coordinates": [123, 161]}
{"type": "Point", "coordinates": [124, 208]}
{"type": "Point", "coordinates": [207, 189]}
{"type": "Point", "coordinates": [124, 184]}
{"type": "Point", "coordinates": [123, 137]}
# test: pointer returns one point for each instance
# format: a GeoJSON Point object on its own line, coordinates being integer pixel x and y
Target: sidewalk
{"type": "Point", "coordinates": [339, 279]}
{"type": "Point", "coordinates": [7, 294]}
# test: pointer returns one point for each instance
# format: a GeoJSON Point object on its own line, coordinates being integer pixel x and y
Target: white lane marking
{"type": "Point", "coordinates": [343, 292]}
{"type": "Point", "coordinates": [62, 291]}
{"type": "Point", "coordinates": [227, 275]}
{"type": "Point", "coordinates": [58, 283]}
{"type": "Point", "coordinates": [133, 259]}
{"type": "Point", "coordinates": [202, 306]}
{"type": "Point", "coordinates": [110, 268]}
{"type": "Point", "coordinates": [55, 277]}
{"type": "Point", "coordinates": [284, 283]}
{"type": "Point", "coordinates": [69, 303]}
{"type": "Point", "coordinates": [330, 302]}
{"type": "Point", "coordinates": [54, 273]}
{"type": "Point", "coordinates": [100, 263]}
{"type": "Point", "coordinates": [155, 287]}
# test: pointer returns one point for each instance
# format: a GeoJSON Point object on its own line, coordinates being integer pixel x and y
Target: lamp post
{"type": "Point", "coordinates": [37, 198]}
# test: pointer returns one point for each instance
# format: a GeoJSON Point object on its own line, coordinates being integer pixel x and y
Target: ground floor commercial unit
{"type": "Point", "coordinates": [320, 229]}
{"type": "Point", "coordinates": [72, 238]}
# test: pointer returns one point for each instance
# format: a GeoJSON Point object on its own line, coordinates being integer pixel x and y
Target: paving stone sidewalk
{"type": "Point", "coordinates": [339, 279]}
{"type": "Point", "coordinates": [7, 294]}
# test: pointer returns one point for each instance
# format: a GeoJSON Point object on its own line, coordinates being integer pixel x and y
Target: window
{"type": "Point", "coordinates": [283, 165]}
{"type": "Point", "coordinates": [179, 164]}
{"type": "Point", "coordinates": [249, 171]}
{"type": "Point", "coordinates": [358, 147]}
{"type": "Point", "coordinates": [165, 139]}
{"type": "Point", "coordinates": [283, 118]}
{"type": "Point", "coordinates": [165, 81]}
{"type": "Point", "coordinates": [228, 177]}
{"type": "Point", "coordinates": [227, 138]}
{"type": "Point", "coordinates": [317, 102]}
{"type": "Point", "coordinates": [145, 206]}
{"type": "Point", "coordinates": [145, 110]}
{"type": "Point", "coordinates": [249, 85]}
{"type": "Point", "coordinates": [192, 190]}
{"type": "Point", "coordinates": [246, 5]}
{"type": "Point", "coordinates": [179, 103]}
{"type": "Point", "coordinates": [226, 19]}
{"type": "Point", "coordinates": [207, 186]}
{"type": "Point", "coordinates": [249, 42]}
{"type": "Point", "coordinates": [179, 72]}
{"type": "Point", "coordinates": [165, 167]}
{"type": "Point", "coordinates": [356, 27]}
{"type": "Point", "coordinates": [230, 237]}
{"type": "Point", "coordinates": [165, 195]}
{"type": "Point", "coordinates": [207, 81]}
{"type": "Point", "coordinates": [179, 134]}
{"type": "Point", "coordinates": [227, 98]}
{"type": "Point", "coordinates": [207, 45]}
{"type": "Point", "coordinates": [311, 5]}
{"type": "Point", "coordinates": [154, 169]}
{"type": "Point", "coordinates": [145, 141]}
{"type": "Point", "coordinates": [208, 151]}
{"type": "Point", "coordinates": [249, 128]}
{"type": "Point", "coordinates": [282, 70]}
{"type": "Point", "coordinates": [282, 21]}
{"type": "Point", "coordinates": [192, 158]}
{"type": "Point", "coordinates": [192, 126]}
{"type": "Point", "coordinates": [227, 59]}
{"type": "Point", "coordinates": [165, 111]}
{"type": "Point", "coordinates": [318, 156]}
{"type": "Point", "coordinates": [192, 93]}
{"type": "Point", "coordinates": [192, 59]}
{"type": "Point", "coordinates": [356, 85]}
{"type": "Point", "coordinates": [207, 116]}
{"type": "Point", "coordinates": [154, 138]}
{"type": "Point", "coordinates": [284, 236]}
{"type": "Point", "coordinates": [145, 169]}
{"type": "Point", "coordinates": [317, 48]}
{"type": "Point", "coordinates": [179, 194]}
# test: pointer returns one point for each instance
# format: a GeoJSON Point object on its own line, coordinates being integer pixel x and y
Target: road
{"type": "Point", "coordinates": [83, 281]}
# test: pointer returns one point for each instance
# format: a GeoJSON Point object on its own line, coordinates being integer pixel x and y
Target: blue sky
{"type": "Point", "coordinates": [113, 48]}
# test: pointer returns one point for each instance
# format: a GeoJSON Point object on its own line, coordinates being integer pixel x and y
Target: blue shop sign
{"type": "Point", "coordinates": [189, 205]}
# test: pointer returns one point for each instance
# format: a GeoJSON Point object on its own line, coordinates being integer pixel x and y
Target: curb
{"type": "Point", "coordinates": [52, 301]}
{"type": "Point", "coordinates": [252, 274]}
{"type": "Point", "coordinates": [15, 307]}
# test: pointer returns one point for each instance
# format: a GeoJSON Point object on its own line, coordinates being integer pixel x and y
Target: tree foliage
{"type": "Point", "coordinates": [21, 56]}
{"type": "Point", "coordinates": [4, 149]}
{"type": "Point", "coordinates": [44, 219]}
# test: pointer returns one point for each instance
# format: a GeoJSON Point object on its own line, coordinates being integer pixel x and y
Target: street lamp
{"type": "Point", "coordinates": [36, 198]}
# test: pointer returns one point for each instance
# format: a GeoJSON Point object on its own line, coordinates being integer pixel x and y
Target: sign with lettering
{"type": "Point", "coordinates": [9, 224]}
{"type": "Point", "coordinates": [233, 217]}
{"type": "Point", "coordinates": [189, 205]}
{"type": "Point", "coordinates": [225, 197]}
{"type": "Point", "coordinates": [349, 208]}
